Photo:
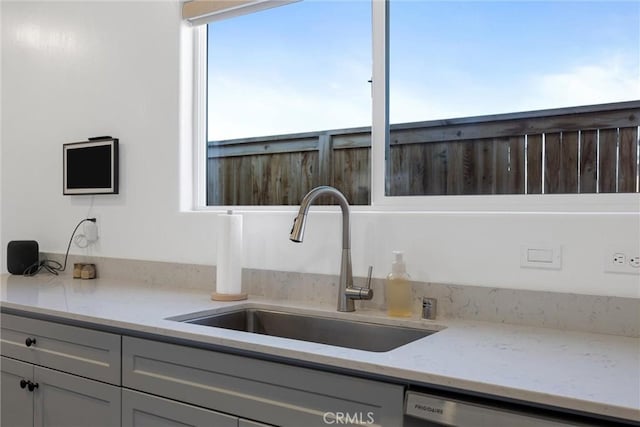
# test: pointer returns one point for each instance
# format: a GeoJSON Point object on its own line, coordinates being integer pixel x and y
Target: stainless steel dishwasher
{"type": "Point", "coordinates": [424, 409]}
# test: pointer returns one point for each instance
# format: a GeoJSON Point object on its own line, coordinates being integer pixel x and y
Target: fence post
{"type": "Point", "coordinates": [324, 159]}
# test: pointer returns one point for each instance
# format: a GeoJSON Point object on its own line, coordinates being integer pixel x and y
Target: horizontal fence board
{"type": "Point", "coordinates": [354, 140]}
{"type": "Point", "coordinates": [421, 134]}
{"type": "Point", "coordinates": [628, 106]}
{"type": "Point", "coordinates": [264, 147]}
{"type": "Point", "coordinates": [271, 138]}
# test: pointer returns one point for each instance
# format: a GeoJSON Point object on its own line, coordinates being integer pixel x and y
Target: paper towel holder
{"type": "Point", "coordinates": [232, 246]}
{"type": "Point", "coordinates": [228, 297]}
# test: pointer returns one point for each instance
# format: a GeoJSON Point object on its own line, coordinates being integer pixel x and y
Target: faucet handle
{"type": "Point", "coordinates": [357, 292]}
{"type": "Point", "coordinates": [367, 292]}
{"type": "Point", "coordinates": [369, 276]}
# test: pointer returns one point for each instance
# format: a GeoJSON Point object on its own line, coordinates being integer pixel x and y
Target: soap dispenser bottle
{"type": "Point", "coordinates": [398, 289]}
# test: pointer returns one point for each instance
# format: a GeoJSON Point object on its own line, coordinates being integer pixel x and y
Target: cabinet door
{"type": "Point", "coordinates": [144, 410]}
{"type": "Point", "coordinates": [64, 400]}
{"type": "Point", "coordinates": [16, 403]}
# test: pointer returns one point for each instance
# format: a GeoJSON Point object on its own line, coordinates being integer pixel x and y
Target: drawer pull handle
{"type": "Point", "coordinates": [30, 341]}
{"type": "Point", "coordinates": [23, 383]}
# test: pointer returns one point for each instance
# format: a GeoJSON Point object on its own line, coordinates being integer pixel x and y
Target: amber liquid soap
{"type": "Point", "coordinates": [398, 289]}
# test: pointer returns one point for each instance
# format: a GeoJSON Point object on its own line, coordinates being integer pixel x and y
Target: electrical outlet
{"type": "Point", "coordinates": [88, 236]}
{"type": "Point", "coordinates": [624, 261]}
{"type": "Point", "coordinates": [619, 259]}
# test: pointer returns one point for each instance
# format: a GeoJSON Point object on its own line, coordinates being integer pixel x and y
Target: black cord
{"type": "Point", "coordinates": [54, 267]}
{"type": "Point", "coordinates": [47, 264]}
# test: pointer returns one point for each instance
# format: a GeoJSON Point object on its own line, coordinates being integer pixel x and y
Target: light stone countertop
{"type": "Point", "coordinates": [586, 372]}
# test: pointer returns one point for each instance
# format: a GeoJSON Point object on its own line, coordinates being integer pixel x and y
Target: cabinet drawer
{"type": "Point", "coordinates": [84, 352]}
{"type": "Point", "coordinates": [270, 392]}
{"type": "Point", "coordinates": [143, 410]}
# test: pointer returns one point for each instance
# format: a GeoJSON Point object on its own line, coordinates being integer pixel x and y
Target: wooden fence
{"type": "Point", "coordinates": [571, 150]}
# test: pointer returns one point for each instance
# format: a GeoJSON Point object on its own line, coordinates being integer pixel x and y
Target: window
{"type": "Point", "coordinates": [483, 98]}
{"type": "Point", "coordinates": [278, 82]}
{"type": "Point", "coordinates": [489, 97]}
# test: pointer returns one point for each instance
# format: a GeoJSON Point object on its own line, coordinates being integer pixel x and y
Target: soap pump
{"type": "Point", "coordinates": [398, 288]}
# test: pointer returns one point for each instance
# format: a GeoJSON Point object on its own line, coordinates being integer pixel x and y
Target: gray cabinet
{"type": "Point", "coordinates": [64, 400]}
{"type": "Point", "coordinates": [16, 402]}
{"type": "Point", "coordinates": [41, 397]}
{"type": "Point", "coordinates": [268, 392]}
{"type": "Point", "coordinates": [36, 396]}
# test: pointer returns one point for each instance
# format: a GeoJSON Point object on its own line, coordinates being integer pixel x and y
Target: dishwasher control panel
{"type": "Point", "coordinates": [430, 408]}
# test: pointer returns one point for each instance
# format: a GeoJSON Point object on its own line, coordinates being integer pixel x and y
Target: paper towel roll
{"type": "Point", "coordinates": [229, 265]}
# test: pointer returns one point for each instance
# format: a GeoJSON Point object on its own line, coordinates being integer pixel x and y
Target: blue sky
{"type": "Point", "coordinates": [305, 66]}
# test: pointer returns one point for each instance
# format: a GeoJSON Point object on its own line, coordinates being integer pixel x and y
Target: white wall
{"type": "Point", "coordinates": [79, 69]}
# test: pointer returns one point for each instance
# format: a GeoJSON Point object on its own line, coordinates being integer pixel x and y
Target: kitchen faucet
{"type": "Point", "coordinates": [347, 293]}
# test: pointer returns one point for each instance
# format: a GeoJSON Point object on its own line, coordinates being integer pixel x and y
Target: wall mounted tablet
{"type": "Point", "coordinates": [91, 167]}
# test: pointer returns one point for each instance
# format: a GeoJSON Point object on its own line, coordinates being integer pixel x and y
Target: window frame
{"type": "Point", "coordinates": [200, 118]}
{"type": "Point", "coordinates": [380, 202]}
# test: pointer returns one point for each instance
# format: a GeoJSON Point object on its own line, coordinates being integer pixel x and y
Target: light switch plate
{"type": "Point", "coordinates": [541, 255]}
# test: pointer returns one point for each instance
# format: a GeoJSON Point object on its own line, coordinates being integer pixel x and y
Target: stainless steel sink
{"type": "Point", "coordinates": [324, 330]}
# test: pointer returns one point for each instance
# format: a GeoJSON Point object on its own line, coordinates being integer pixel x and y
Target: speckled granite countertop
{"type": "Point", "coordinates": [591, 373]}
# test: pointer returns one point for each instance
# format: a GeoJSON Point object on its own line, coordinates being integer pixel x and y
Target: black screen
{"type": "Point", "coordinates": [89, 167]}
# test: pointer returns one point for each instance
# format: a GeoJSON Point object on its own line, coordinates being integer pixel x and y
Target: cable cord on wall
{"type": "Point", "coordinates": [52, 266]}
